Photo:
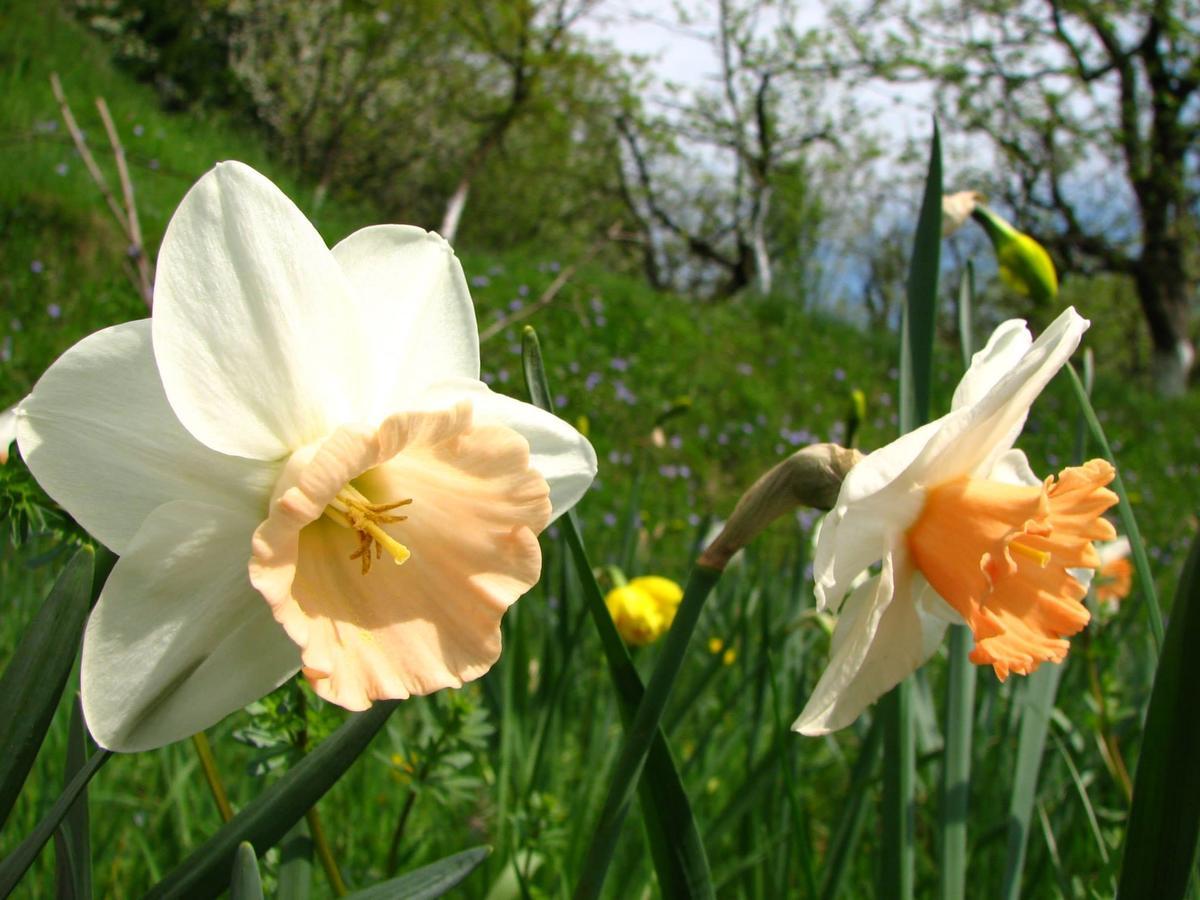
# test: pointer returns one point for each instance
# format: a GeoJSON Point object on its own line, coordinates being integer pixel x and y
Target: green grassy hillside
{"type": "Point", "coordinates": [745, 382]}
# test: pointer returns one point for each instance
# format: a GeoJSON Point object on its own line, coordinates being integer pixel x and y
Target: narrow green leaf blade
{"type": "Point", "coordinates": [916, 377]}
{"type": "Point", "coordinates": [72, 847]}
{"type": "Point", "coordinates": [1164, 823]}
{"type": "Point", "coordinates": [849, 826]}
{"type": "Point", "coordinates": [34, 679]}
{"type": "Point", "coordinates": [246, 883]}
{"type": "Point", "coordinates": [956, 764]}
{"type": "Point", "coordinates": [265, 820]}
{"type": "Point", "coordinates": [920, 310]}
{"type": "Point", "coordinates": [429, 881]}
{"type": "Point", "coordinates": [675, 844]}
{"type": "Point", "coordinates": [1141, 563]}
{"type": "Point", "coordinates": [14, 866]}
{"type": "Point", "coordinates": [295, 863]}
{"type": "Point", "coordinates": [1038, 700]}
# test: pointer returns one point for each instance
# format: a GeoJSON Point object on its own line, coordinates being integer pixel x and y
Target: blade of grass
{"type": "Point", "coordinates": [1145, 579]}
{"type": "Point", "coordinates": [1164, 822]}
{"type": "Point", "coordinates": [675, 844]}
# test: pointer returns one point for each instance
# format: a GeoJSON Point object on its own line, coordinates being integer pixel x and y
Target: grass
{"type": "Point", "coordinates": [522, 759]}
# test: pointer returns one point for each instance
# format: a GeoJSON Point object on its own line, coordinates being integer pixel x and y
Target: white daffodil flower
{"type": "Point", "coordinates": [964, 532]}
{"type": "Point", "coordinates": [298, 466]}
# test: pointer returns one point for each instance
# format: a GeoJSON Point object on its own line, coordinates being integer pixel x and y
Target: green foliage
{"type": "Point", "coordinates": [522, 759]}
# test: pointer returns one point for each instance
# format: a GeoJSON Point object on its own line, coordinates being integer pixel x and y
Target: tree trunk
{"type": "Point", "coordinates": [1162, 287]}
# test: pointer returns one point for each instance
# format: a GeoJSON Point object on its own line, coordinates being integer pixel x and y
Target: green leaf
{"type": "Point", "coordinates": [72, 849]}
{"type": "Point", "coordinates": [966, 307]}
{"type": "Point", "coordinates": [1037, 700]}
{"type": "Point", "coordinates": [916, 378]}
{"type": "Point", "coordinates": [33, 681]}
{"type": "Point", "coordinates": [960, 690]}
{"type": "Point", "coordinates": [429, 881]}
{"type": "Point", "coordinates": [1141, 563]}
{"type": "Point", "coordinates": [1160, 842]}
{"type": "Point", "coordinates": [246, 883]}
{"type": "Point", "coordinates": [13, 866]}
{"type": "Point", "coordinates": [920, 309]}
{"type": "Point", "coordinates": [849, 826]}
{"type": "Point", "coordinates": [270, 815]}
{"type": "Point", "coordinates": [675, 844]}
{"type": "Point", "coordinates": [643, 732]}
{"type": "Point", "coordinates": [956, 764]}
{"type": "Point", "coordinates": [295, 863]}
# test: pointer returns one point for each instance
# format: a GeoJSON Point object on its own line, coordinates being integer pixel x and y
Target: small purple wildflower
{"type": "Point", "coordinates": [54, 310]}
{"type": "Point", "coordinates": [744, 369]}
{"type": "Point", "coordinates": [62, 169]}
{"type": "Point", "coordinates": [480, 281]}
{"type": "Point", "coordinates": [619, 363]}
{"type": "Point", "coordinates": [593, 379]}
{"type": "Point", "coordinates": [37, 267]}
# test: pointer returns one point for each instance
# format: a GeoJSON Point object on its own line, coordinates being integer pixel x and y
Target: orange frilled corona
{"type": "Point", "coordinates": [1001, 555]}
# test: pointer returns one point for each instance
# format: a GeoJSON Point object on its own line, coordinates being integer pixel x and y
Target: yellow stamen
{"type": "Point", "coordinates": [1041, 557]}
{"type": "Point", "coordinates": [351, 509]}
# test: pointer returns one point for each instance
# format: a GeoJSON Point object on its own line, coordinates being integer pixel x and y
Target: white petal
{"type": "Point", "coordinates": [562, 455]}
{"type": "Point", "coordinates": [8, 431]}
{"type": "Point", "coordinates": [931, 603]}
{"type": "Point", "coordinates": [973, 437]}
{"type": "Point", "coordinates": [1004, 349]}
{"type": "Point", "coordinates": [880, 639]}
{"type": "Point", "coordinates": [417, 310]}
{"type": "Point", "coordinates": [257, 340]}
{"type": "Point", "coordinates": [179, 639]}
{"type": "Point", "coordinates": [855, 535]}
{"type": "Point", "coordinates": [99, 436]}
{"type": "Point", "coordinates": [1013, 468]}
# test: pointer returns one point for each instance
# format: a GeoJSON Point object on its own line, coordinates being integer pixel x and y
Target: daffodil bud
{"type": "Point", "coordinates": [810, 477]}
{"type": "Point", "coordinates": [1025, 266]}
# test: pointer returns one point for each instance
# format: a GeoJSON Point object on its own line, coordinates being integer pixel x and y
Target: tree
{"type": "Point", "coordinates": [719, 180]}
{"type": "Point", "coordinates": [1092, 113]}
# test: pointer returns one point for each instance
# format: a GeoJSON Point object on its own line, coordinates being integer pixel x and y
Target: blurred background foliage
{"type": "Point", "coordinates": [733, 249]}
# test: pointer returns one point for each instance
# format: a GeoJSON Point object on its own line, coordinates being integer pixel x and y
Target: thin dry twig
{"type": "Point", "coordinates": [126, 217]}
{"type": "Point", "coordinates": [133, 229]}
{"type": "Point", "coordinates": [555, 286]}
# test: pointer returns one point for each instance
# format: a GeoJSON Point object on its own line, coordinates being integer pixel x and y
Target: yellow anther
{"type": "Point", "coordinates": [1041, 557]}
{"type": "Point", "coordinates": [351, 509]}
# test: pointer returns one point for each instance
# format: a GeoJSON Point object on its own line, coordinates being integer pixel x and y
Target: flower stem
{"type": "Point", "coordinates": [208, 763]}
{"type": "Point", "coordinates": [324, 853]}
